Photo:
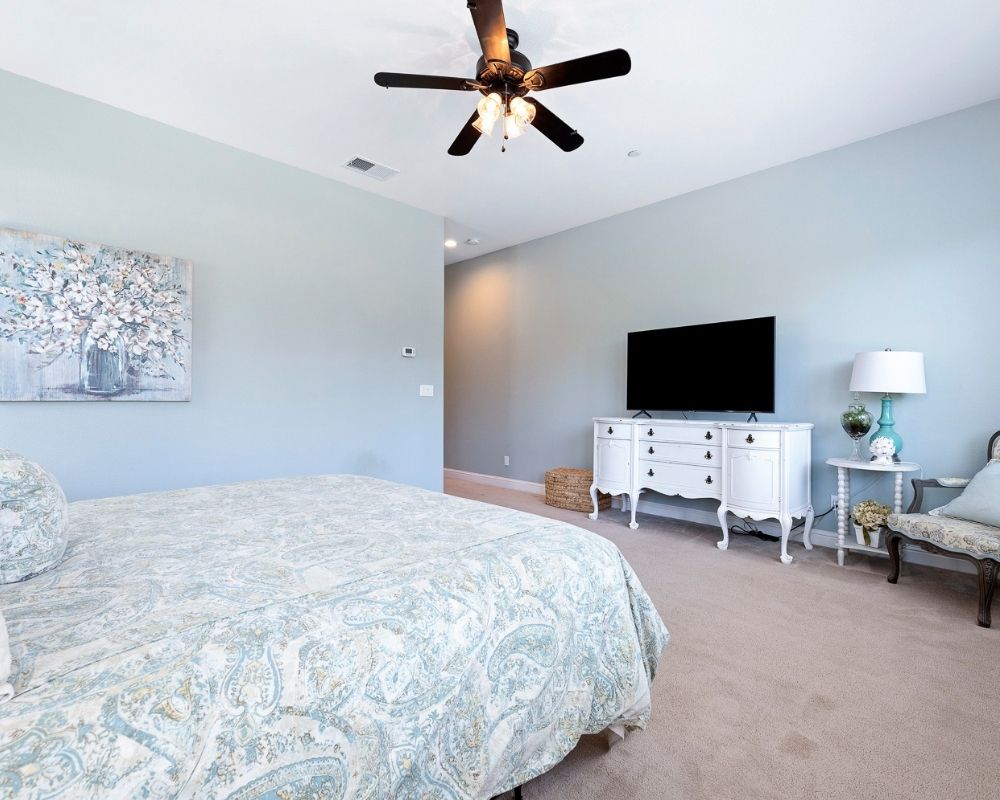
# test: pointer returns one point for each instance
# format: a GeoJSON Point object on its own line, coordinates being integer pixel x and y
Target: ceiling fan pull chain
{"type": "Point", "coordinates": [503, 119]}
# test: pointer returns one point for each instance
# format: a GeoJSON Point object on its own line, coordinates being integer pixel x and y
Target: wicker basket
{"type": "Point", "coordinates": [569, 488]}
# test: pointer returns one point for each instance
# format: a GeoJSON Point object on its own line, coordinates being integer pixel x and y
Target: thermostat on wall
{"type": "Point", "coordinates": [409, 352]}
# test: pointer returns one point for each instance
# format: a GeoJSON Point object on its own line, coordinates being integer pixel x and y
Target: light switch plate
{"type": "Point", "coordinates": [426, 390]}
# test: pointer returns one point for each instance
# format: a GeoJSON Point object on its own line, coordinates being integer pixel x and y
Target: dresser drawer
{"type": "Point", "coordinates": [683, 479]}
{"type": "Point", "coordinates": [767, 440]}
{"type": "Point", "coordinates": [697, 454]}
{"type": "Point", "coordinates": [680, 433]}
{"type": "Point", "coordinates": [613, 430]}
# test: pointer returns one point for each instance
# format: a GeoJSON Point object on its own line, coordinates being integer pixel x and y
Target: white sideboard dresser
{"type": "Point", "coordinates": [756, 471]}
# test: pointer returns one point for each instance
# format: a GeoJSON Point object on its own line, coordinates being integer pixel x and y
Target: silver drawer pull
{"type": "Point", "coordinates": [651, 451]}
{"type": "Point", "coordinates": [708, 454]}
{"type": "Point", "coordinates": [708, 435]}
{"type": "Point", "coordinates": [750, 438]}
{"type": "Point", "coordinates": [708, 479]}
{"type": "Point", "coordinates": [610, 429]}
{"type": "Point", "coordinates": [650, 473]}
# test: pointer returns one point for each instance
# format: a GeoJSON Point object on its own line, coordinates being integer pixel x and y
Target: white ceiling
{"type": "Point", "coordinates": [718, 89]}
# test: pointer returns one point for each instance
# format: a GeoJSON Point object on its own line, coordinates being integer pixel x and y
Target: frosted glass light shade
{"type": "Point", "coordinates": [889, 372]}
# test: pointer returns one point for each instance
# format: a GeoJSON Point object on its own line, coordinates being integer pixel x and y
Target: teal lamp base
{"type": "Point", "coordinates": [887, 427]}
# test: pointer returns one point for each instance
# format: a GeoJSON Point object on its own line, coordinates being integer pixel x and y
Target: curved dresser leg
{"type": "Point", "coordinates": [593, 496]}
{"type": "Point", "coordinates": [724, 544]}
{"type": "Point", "coordinates": [786, 529]}
{"type": "Point", "coordinates": [633, 502]}
{"type": "Point", "coordinates": [807, 531]}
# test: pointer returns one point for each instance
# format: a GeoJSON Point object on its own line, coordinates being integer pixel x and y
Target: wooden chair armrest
{"type": "Point", "coordinates": [919, 484]}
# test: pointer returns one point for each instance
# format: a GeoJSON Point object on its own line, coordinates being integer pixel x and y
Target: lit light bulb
{"type": "Point", "coordinates": [524, 112]}
{"type": "Point", "coordinates": [520, 114]}
{"type": "Point", "coordinates": [490, 107]}
{"type": "Point", "coordinates": [511, 128]}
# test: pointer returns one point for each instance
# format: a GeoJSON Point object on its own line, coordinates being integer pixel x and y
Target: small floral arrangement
{"type": "Point", "coordinates": [870, 515]}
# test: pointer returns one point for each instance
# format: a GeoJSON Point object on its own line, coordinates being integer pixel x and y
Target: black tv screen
{"type": "Point", "coordinates": [724, 366]}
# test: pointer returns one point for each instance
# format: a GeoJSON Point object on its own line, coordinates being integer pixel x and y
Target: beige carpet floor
{"type": "Point", "coordinates": [805, 681]}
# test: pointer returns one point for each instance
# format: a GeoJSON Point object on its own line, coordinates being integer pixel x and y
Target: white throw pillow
{"type": "Point", "coordinates": [980, 501]}
{"type": "Point", "coordinates": [33, 516]}
{"type": "Point", "coordinates": [6, 690]}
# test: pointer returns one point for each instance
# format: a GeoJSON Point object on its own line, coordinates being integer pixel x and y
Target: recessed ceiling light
{"type": "Point", "coordinates": [634, 153]}
{"type": "Point", "coordinates": [473, 241]}
{"type": "Point", "coordinates": [450, 243]}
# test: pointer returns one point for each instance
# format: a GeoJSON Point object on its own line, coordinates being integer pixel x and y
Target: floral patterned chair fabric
{"type": "Point", "coordinates": [947, 536]}
{"type": "Point", "coordinates": [33, 514]}
{"type": "Point", "coordinates": [982, 541]}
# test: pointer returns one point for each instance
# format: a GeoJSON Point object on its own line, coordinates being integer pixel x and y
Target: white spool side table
{"type": "Point", "coordinates": [844, 467]}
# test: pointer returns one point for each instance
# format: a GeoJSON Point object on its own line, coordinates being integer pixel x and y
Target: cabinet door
{"type": "Point", "coordinates": [754, 479]}
{"type": "Point", "coordinates": [612, 463]}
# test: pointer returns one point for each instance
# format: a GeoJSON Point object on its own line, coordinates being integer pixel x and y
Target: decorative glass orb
{"type": "Point", "coordinates": [856, 422]}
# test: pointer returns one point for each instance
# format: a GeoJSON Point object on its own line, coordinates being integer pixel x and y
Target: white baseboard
{"type": "Point", "coordinates": [820, 536]}
{"type": "Point", "coordinates": [496, 480]}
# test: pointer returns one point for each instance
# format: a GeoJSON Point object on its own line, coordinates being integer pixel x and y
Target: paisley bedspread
{"type": "Point", "coordinates": [322, 637]}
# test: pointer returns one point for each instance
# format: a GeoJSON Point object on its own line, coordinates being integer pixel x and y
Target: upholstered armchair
{"type": "Point", "coordinates": [957, 538]}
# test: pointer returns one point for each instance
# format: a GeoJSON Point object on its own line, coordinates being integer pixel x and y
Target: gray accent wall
{"type": "Point", "coordinates": [305, 290]}
{"type": "Point", "coordinates": [890, 242]}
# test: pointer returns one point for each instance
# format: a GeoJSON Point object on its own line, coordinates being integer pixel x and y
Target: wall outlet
{"type": "Point", "coordinates": [834, 501]}
{"type": "Point", "coordinates": [426, 390]}
{"type": "Point", "coordinates": [506, 461]}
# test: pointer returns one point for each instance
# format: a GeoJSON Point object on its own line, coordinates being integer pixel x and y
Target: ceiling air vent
{"type": "Point", "coordinates": [379, 172]}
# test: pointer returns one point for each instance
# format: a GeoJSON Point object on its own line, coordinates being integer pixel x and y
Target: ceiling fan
{"type": "Point", "coordinates": [504, 78]}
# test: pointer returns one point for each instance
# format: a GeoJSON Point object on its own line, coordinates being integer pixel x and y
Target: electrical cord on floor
{"type": "Point", "coordinates": [747, 527]}
{"type": "Point", "coordinates": [831, 508]}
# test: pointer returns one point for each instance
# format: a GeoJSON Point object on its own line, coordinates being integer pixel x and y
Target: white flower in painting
{"type": "Point", "coordinates": [133, 312]}
{"type": "Point", "coordinates": [140, 342]}
{"type": "Point", "coordinates": [81, 296]}
{"type": "Point", "coordinates": [44, 282]}
{"type": "Point", "coordinates": [62, 320]}
{"type": "Point", "coordinates": [104, 325]}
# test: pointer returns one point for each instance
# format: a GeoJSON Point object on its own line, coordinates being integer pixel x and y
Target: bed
{"type": "Point", "coordinates": [327, 636]}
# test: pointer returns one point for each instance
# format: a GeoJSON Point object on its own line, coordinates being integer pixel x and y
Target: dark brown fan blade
{"type": "Point", "coordinates": [554, 128]}
{"type": "Point", "coordinates": [580, 70]}
{"type": "Point", "coordinates": [466, 138]}
{"type": "Point", "coordinates": [487, 16]}
{"type": "Point", "coordinates": [401, 80]}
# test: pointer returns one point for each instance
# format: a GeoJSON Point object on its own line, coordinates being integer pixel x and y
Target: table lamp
{"type": "Point", "coordinates": [889, 372]}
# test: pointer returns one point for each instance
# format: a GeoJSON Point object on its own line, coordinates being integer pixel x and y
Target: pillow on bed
{"type": "Point", "coordinates": [32, 519]}
{"type": "Point", "coordinates": [980, 500]}
{"type": "Point", "coordinates": [6, 690]}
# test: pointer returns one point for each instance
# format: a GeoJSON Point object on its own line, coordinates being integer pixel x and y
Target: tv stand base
{"type": "Point", "coordinates": [753, 470]}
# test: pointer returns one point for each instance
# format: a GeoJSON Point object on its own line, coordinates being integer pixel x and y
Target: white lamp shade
{"type": "Point", "coordinates": [889, 372]}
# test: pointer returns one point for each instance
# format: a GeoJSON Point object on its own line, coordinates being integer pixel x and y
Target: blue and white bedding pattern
{"type": "Point", "coordinates": [331, 636]}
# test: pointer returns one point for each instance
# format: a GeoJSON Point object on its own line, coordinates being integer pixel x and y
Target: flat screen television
{"type": "Point", "coordinates": [723, 366]}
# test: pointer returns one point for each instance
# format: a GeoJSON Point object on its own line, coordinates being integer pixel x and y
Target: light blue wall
{"type": "Point", "coordinates": [304, 292]}
{"type": "Point", "coordinates": [891, 242]}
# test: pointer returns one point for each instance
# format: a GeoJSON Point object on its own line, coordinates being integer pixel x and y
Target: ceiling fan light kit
{"type": "Point", "coordinates": [504, 77]}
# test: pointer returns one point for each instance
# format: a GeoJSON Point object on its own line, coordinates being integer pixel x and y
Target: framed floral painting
{"type": "Point", "coordinates": [85, 321]}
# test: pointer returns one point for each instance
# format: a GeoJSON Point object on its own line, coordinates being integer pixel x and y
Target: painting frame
{"type": "Point", "coordinates": [81, 321]}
